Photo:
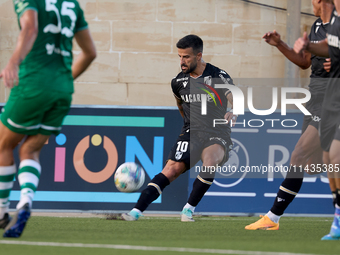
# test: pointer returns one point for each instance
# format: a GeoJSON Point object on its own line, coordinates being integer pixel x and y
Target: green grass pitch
{"type": "Point", "coordinates": [208, 235]}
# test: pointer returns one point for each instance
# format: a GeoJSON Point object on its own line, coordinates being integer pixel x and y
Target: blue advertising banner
{"type": "Point", "coordinates": [78, 165]}
{"type": "Point", "coordinates": [263, 144]}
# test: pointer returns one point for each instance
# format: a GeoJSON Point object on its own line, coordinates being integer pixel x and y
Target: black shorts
{"type": "Point", "coordinates": [190, 145]}
{"type": "Point", "coordinates": [329, 128]}
{"type": "Point", "coordinates": [314, 106]}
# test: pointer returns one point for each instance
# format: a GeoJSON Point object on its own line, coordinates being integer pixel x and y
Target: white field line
{"type": "Point", "coordinates": [147, 248]}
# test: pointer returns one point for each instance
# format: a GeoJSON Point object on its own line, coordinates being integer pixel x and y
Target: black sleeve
{"type": "Point", "coordinates": [310, 34]}
{"type": "Point", "coordinates": [225, 78]}
{"type": "Point", "coordinates": [175, 88]}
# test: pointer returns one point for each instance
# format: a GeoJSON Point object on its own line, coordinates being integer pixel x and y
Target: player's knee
{"type": "Point", "coordinates": [173, 169]}
{"type": "Point", "coordinates": [325, 159]}
{"type": "Point", "coordinates": [28, 152]}
{"type": "Point", "coordinates": [6, 156]}
{"type": "Point", "coordinates": [334, 158]}
{"type": "Point", "coordinates": [212, 160]}
{"type": "Point", "coordinates": [299, 155]}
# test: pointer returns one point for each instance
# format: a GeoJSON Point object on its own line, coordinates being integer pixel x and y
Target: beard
{"type": "Point", "coordinates": [190, 69]}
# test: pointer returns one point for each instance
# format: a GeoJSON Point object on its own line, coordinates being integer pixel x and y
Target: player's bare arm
{"type": "Point", "coordinates": [303, 59]}
{"type": "Point", "coordinates": [87, 54]}
{"type": "Point", "coordinates": [26, 39]}
{"type": "Point", "coordinates": [229, 115]}
{"type": "Point", "coordinates": [318, 49]}
{"type": "Point", "coordinates": [179, 103]}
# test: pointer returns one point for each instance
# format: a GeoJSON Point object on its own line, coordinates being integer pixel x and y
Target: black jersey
{"type": "Point", "coordinates": [332, 97]}
{"type": "Point", "coordinates": [318, 33]}
{"type": "Point", "coordinates": [190, 91]}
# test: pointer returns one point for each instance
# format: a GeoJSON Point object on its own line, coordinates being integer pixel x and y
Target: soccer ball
{"type": "Point", "coordinates": [129, 177]}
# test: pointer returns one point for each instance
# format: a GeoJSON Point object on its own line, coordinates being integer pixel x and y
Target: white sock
{"type": "Point", "coordinates": [7, 174]}
{"type": "Point", "coordinates": [3, 211]}
{"type": "Point", "coordinates": [273, 217]}
{"type": "Point", "coordinates": [190, 207]}
{"type": "Point", "coordinates": [24, 200]}
{"type": "Point", "coordinates": [28, 177]}
{"type": "Point", "coordinates": [136, 210]}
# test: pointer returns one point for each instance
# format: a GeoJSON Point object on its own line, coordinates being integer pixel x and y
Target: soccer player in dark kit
{"type": "Point", "coordinates": [330, 124]}
{"type": "Point", "coordinates": [199, 139]}
{"type": "Point", "coordinates": [307, 152]}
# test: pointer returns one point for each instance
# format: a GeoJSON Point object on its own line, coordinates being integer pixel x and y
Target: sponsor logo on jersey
{"type": "Point", "coordinates": [182, 79]}
{"type": "Point", "coordinates": [21, 7]}
{"type": "Point", "coordinates": [226, 81]}
{"type": "Point", "coordinates": [185, 83]}
{"type": "Point", "coordinates": [194, 98]}
{"type": "Point", "coordinates": [218, 139]}
{"type": "Point", "coordinates": [316, 118]}
{"type": "Point", "coordinates": [333, 41]}
{"type": "Point", "coordinates": [191, 98]}
{"type": "Point", "coordinates": [50, 49]}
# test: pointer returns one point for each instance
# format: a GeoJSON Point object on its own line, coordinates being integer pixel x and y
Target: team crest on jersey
{"type": "Point", "coordinates": [208, 80]}
{"type": "Point", "coordinates": [178, 155]}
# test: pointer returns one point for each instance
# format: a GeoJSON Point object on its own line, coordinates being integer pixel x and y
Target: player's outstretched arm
{"type": "Point", "coordinates": [26, 39]}
{"type": "Point", "coordinates": [87, 55]}
{"type": "Point", "coordinates": [303, 59]}
{"type": "Point", "coordinates": [318, 49]}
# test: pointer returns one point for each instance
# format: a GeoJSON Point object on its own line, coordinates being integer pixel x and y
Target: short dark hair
{"type": "Point", "coordinates": [193, 41]}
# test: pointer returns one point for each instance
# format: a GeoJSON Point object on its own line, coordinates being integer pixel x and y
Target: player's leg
{"type": "Point", "coordinates": [334, 157]}
{"type": "Point", "coordinates": [28, 178]}
{"type": "Point", "coordinates": [37, 113]}
{"type": "Point", "coordinates": [178, 162]}
{"type": "Point", "coordinates": [307, 147]}
{"type": "Point", "coordinates": [308, 144]}
{"type": "Point", "coordinates": [29, 168]}
{"type": "Point", "coordinates": [212, 155]}
{"type": "Point", "coordinates": [8, 141]}
{"type": "Point", "coordinates": [155, 188]}
{"type": "Point", "coordinates": [331, 177]}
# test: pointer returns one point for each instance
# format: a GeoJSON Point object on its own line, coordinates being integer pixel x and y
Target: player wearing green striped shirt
{"type": "Point", "coordinates": [40, 73]}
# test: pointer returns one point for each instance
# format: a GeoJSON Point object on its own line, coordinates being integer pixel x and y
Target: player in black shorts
{"type": "Point", "coordinates": [199, 139]}
{"type": "Point", "coordinates": [329, 126]}
{"type": "Point", "coordinates": [307, 150]}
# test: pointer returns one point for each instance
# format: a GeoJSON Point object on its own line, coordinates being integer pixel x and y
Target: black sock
{"type": "Point", "coordinates": [337, 197]}
{"type": "Point", "coordinates": [152, 191]}
{"type": "Point", "coordinates": [334, 195]}
{"type": "Point", "coordinates": [199, 188]}
{"type": "Point", "coordinates": [288, 190]}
